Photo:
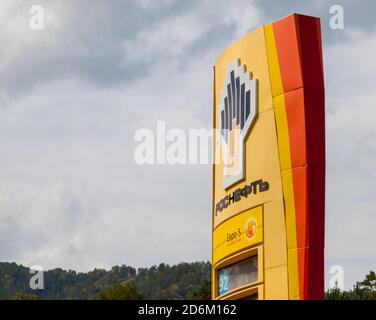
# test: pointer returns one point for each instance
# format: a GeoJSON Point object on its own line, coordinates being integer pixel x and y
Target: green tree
{"type": "Point", "coordinates": [362, 290]}
{"type": "Point", "coordinates": [174, 282]}
{"type": "Point", "coordinates": [202, 292]}
{"type": "Point", "coordinates": [366, 289]}
{"type": "Point", "coordinates": [127, 291]}
{"type": "Point", "coordinates": [335, 294]}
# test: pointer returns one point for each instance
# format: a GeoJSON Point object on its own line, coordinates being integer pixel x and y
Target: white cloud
{"type": "Point", "coordinates": [166, 40]}
{"type": "Point", "coordinates": [351, 169]}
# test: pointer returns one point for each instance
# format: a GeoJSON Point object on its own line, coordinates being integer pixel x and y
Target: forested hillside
{"type": "Point", "coordinates": [182, 281]}
{"type": "Point", "coordinates": [157, 282]}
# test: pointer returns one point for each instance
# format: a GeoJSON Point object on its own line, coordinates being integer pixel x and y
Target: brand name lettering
{"type": "Point", "coordinates": [240, 193]}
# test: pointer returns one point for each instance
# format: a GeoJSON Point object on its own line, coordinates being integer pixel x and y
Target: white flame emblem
{"type": "Point", "coordinates": [237, 112]}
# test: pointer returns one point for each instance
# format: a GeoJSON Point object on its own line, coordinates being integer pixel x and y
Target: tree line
{"type": "Point", "coordinates": [157, 282]}
{"type": "Point", "coordinates": [165, 282]}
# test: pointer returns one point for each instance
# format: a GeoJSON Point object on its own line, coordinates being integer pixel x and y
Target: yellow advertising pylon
{"type": "Point", "coordinates": [269, 185]}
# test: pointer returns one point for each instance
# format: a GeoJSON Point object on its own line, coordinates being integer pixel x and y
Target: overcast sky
{"type": "Point", "coordinates": [73, 95]}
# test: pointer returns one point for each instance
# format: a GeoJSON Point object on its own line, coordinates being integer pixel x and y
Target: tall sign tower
{"type": "Point", "coordinates": [269, 182]}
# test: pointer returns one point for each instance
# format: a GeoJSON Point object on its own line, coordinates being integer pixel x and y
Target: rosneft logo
{"type": "Point", "coordinates": [237, 113]}
{"type": "Point", "coordinates": [251, 228]}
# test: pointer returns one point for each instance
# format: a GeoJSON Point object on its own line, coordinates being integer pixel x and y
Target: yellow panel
{"type": "Point", "coordinates": [242, 295]}
{"type": "Point", "coordinates": [288, 192]}
{"type": "Point", "coordinates": [282, 132]}
{"type": "Point", "coordinates": [261, 146]}
{"type": "Point", "coordinates": [251, 50]}
{"type": "Point", "coordinates": [238, 233]}
{"type": "Point", "coordinates": [234, 258]}
{"type": "Point", "coordinates": [275, 251]}
{"type": "Point", "coordinates": [276, 283]}
{"type": "Point", "coordinates": [275, 77]}
{"type": "Point", "coordinates": [292, 258]}
{"type": "Point", "coordinates": [262, 162]}
{"type": "Point", "coordinates": [293, 272]}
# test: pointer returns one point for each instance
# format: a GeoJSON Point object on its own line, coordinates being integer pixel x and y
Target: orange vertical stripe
{"type": "Point", "coordinates": [288, 53]}
{"type": "Point", "coordinates": [294, 101]}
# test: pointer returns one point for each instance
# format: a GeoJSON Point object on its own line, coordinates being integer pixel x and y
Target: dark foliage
{"type": "Point", "coordinates": [203, 292]}
{"type": "Point", "coordinates": [162, 282]}
{"type": "Point", "coordinates": [126, 291]}
{"type": "Point", "coordinates": [363, 290]}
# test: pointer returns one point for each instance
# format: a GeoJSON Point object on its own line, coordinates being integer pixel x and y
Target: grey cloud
{"type": "Point", "coordinates": [82, 39]}
{"type": "Point", "coordinates": [88, 40]}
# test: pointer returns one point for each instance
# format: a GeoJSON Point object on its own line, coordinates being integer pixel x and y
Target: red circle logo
{"type": "Point", "coordinates": [250, 228]}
